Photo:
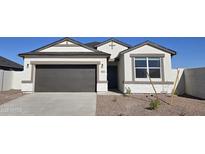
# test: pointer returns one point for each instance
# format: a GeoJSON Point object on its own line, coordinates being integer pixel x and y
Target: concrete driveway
{"type": "Point", "coordinates": [51, 104]}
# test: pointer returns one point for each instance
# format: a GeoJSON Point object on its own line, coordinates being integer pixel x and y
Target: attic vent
{"type": "Point", "coordinates": [112, 45]}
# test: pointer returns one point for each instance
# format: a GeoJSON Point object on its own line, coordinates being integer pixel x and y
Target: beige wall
{"type": "Point", "coordinates": [114, 52]}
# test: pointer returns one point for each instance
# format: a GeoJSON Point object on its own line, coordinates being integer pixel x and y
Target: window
{"type": "Point", "coordinates": [149, 65]}
{"type": "Point", "coordinates": [141, 67]}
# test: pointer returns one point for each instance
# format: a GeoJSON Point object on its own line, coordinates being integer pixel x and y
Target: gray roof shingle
{"type": "Point", "coordinates": [9, 65]}
{"type": "Point", "coordinates": [92, 44]}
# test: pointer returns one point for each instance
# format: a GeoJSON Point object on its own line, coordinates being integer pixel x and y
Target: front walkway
{"type": "Point", "coordinates": [109, 93]}
{"type": "Point", "coordinates": [51, 104]}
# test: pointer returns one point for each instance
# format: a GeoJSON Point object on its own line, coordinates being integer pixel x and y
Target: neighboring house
{"type": "Point", "coordinates": [10, 74]}
{"type": "Point", "coordinates": [70, 66]}
{"type": "Point", "coordinates": [6, 64]}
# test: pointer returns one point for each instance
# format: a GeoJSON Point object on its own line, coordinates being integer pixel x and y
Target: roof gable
{"type": "Point", "coordinates": [63, 46]}
{"type": "Point", "coordinates": [154, 45]}
{"type": "Point", "coordinates": [113, 40]}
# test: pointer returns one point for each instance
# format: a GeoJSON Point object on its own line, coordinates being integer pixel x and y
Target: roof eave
{"type": "Point", "coordinates": [63, 55]}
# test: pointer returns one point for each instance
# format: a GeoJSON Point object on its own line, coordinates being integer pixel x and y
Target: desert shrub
{"type": "Point", "coordinates": [154, 104]}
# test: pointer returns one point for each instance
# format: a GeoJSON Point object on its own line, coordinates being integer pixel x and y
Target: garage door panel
{"type": "Point", "coordinates": [65, 78]}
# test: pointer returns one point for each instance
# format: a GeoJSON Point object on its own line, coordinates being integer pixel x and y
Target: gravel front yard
{"type": "Point", "coordinates": [138, 105]}
{"type": "Point", "coordinates": [6, 96]}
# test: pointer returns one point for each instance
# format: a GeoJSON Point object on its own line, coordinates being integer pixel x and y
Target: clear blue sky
{"type": "Point", "coordinates": [190, 50]}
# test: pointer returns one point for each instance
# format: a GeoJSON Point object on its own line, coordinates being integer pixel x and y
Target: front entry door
{"type": "Point", "coordinates": [112, 77]}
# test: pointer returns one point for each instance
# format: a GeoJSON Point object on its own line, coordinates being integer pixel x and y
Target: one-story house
{"type": "Point", "coordinates": [70, 66]}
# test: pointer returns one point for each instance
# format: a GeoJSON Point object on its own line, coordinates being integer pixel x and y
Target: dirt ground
{"type": "Point", "coordinates": [6, 96]}
{"type": "Point", "coordinates": [138, 105]}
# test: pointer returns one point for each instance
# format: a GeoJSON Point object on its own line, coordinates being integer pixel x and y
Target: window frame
{"type": "Point", "coordinates": [148, 67]}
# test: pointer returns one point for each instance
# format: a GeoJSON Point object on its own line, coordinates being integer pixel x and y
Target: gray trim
{"type": "Point", "coordinates": [65, 62]}
{"type": "Point", "coordinates": [102, 81]}
{"type": "Point", "coordinates": [64, 56]}
{"type": "Point", "coordinates": [147, 82]}
{"type": "Point", "coordinates": [123, 58]}
{"type": "Point", "coordinates": [172, 52]}
{"type": "Point", "coordinates": [98, 71]}
{"type": "Point", "coordinates": [133, 69]}
{"type": "Point", "coordinates": [162, 68]}
{"type": "Point", "coordinates": [147, 55]}
{"type": "Point", "coordinates": [26, 81]}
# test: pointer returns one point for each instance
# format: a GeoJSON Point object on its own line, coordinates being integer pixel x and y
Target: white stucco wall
{"type": "Point", "coordinates": [169, 73]}
{"type": "Point", "coordinates": [10, 80]}
{"type": "Point", "coordinates": [72, 48]}
{"type": "Point", "coordinates": [115, 51]}
{"type": "Point", "coordinates": [66, 49]}
{"type": "Point", "coordinates": [27, 74]}
{"type": "Point", "coordinates": [147, 88]}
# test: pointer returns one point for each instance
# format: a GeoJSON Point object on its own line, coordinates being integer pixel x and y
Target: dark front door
{"type": "Point", "coordinates": [65, 78]}
{"type": "Point", "coordinates": [112, 77]}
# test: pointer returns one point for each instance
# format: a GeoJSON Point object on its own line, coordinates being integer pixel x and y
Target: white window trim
{"type": "Point", "coordinates": [147, 68]}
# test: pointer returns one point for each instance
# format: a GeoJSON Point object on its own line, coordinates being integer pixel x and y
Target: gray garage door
{"type": "Point", "coordinates": [65, 78]}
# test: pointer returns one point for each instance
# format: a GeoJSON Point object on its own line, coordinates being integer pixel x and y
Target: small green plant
{"type": "Point", "coordinates": [154, 104]}
{"type": "Point", "coordinates": [128, 91]}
